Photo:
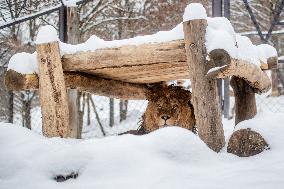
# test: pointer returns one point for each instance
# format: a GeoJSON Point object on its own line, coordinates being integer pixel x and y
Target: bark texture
{"type": "Point", "coordinates": [244, 100]}
{"type": "Point", "coordinates": [83, 82]}
{"type": "Point", "coordinates": [246, 142]}
{"type": "Point", "coordinates": [204, 90]}
{"type": "Point", "coordinates": [52, 91]}
{"type": "Point", "coordinates": [147, 63]}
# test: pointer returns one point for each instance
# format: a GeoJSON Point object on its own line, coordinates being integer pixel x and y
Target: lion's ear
{"type": "Point", "coordinates": [153, 91]}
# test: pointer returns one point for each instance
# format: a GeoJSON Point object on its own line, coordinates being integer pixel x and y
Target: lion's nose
{"type": "Point", "coordinates": [165, 117]}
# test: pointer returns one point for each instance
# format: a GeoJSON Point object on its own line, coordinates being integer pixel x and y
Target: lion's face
{"type": "Point", "coordinates": [166, 111]}
{"type": "Point", "coordinates": [168, 106]}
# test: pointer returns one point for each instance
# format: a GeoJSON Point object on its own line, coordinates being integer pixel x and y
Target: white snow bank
{"type": "Point", "coordinates": [24, 63]}
{"type": "Point", "coordinates": [194, 11]}
{"type": "Point", "coordinates": [168, 158]}
{"type": "Point", "coordinates": [266, 51]}
{"type": "Point", "coordinates": [219, 35]}
{"type": "Point", "coordinates": [94, 42]}
{"type": "Point", "coordinates": [215, 69]}
{"type": "Point", "coordinates": [46, 34]}
{"type": "Point", "coordinates": [70, 3]}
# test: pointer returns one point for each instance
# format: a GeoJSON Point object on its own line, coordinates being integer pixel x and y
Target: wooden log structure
{"type": "Point", "coordinates": [52, 91]}
{"type": "Point", "coordinates": [204, 90]}
{"type": "Point", "coordinates": [123, 73]}
{"type": "Point", "coordinates": [83, 82]}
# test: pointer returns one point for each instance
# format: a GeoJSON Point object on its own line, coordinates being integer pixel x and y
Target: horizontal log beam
{"type": "Point", "coordinates": [221, 65]}
{"type": "Point", "coordinates": [147, 63]}
{"type": "Point", "coordinates": [83, 82]}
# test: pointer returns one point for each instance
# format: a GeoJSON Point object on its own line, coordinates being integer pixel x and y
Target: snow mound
{"type": "Point", "coordinates": [24, 63]}
{"type": "Point", "coordinates": [171, 157]}
{"type": "Point", "coordinates": [266, 51]}
{"type": "Point", "coordinates": [70, 3]}
{"type": "Point", "coordinates": [46, 34]}
{"type": "Point", "coordinates": [194, 11]}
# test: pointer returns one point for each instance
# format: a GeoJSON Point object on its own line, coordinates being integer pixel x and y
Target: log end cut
{"type": "Point", "coordinates": [245, 143]}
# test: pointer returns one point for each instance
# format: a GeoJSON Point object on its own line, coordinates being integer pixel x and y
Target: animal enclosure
{"type": "Point", "coordinates": [125, 71]}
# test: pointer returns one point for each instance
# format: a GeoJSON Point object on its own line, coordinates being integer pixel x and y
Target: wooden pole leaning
{"type": "Point", "coordinates": [52, 91]}
{"type": "Point", "coordinates": [204, 90]}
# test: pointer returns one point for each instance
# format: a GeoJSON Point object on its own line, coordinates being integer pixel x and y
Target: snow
{"type": "Point", "coordinates": [215, 69]}
{"type": "Point", "coordinates": [171, 157]}
{"type": "Point", "coordinates": [24, 63]}
{"type": "Point", "coordinates": [70, 3]}
{"type": "Point", "coordinates": [266, 51]}
{"type": "Point", "coordinates": [246, 50]}
{"type": "Point", "coordinates": [46, 34]}
{"type": "Point", "coordinates": [219, 35]}
{"type": "Point", "coordinates": [194, 11]}
{"type": "Point", "coordinates": [94, 42]}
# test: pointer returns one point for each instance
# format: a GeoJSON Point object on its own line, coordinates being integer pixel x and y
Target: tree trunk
{"type": "Point", "coordinates": [11, 106]}
{"type": "Point", "coordinates": [52, 91]}
{"type": "Point", "coordinates": [204, 90]}
{"type": "Point", "coordinates": [227, 98]}
{"type": "Point", "coordinates": [245, 104]}
{"type": "Point", "coordinates": [98, 117]}
{"type": "Point", "coordinates": [111, 112]}
{"type": "Point", "coordinates": [123, 105]}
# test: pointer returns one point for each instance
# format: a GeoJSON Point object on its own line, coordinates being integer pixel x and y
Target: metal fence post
{"type": "Point", "coordinates": [227, 81]}
{"type": "Point", "coordinates": [63, 23]}
{"type": "Point", "coordinates": [217, 7]}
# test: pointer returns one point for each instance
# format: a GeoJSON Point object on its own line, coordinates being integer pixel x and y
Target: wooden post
{"type": "Point", "coordinates": [244, 100]}
{"type": "Point", "coordinates": [204, 90]}
{"type": "Point", "coordinates": [73, 97]}
{"type": "Point", "coordinates": [52, 91]}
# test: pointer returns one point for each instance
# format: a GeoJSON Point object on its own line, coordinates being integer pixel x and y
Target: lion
{"type": "Point", "coordinates": [167, 106]}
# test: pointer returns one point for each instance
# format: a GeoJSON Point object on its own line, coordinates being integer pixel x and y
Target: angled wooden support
{"type": "Point", "coordinates": [221, 65]}
{"type": "Point", "coordinates": [83, 82]}
{"type": "Point", "coordinates": [247, 79]}
{"type": "Point", "coordinates": [204, 90]}
{"type": "Point", "coordinates": [52, 91]}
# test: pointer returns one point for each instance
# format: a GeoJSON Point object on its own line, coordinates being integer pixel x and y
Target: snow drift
{"type": "Point", "coordinates": [168, 158]}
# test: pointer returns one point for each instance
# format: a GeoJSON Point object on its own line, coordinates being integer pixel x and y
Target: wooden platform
{"type": "Point", "coordinates": [149, 63]}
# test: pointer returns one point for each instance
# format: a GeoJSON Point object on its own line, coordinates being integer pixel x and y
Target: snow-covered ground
{"type": "Point", "coordinates": [168, 158]}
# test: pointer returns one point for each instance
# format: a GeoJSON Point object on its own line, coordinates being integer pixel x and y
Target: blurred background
{"type": "Point", "coordinates": [120, 19]}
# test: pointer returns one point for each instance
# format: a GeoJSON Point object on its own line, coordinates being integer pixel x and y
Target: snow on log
{"type": "Point", "coordinates": [146, 63]}
{"type": "Point", "coordinates": [251, 73]}
{"type": "Point", "coordinates": [52, 91]}
{"type": "Point", "coordinates": [83, 82]}
{"type": "Point", "coordinates": [204, 90]}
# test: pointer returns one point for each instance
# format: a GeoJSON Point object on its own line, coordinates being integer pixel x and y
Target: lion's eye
{"type": "Point", "coordinates": [159, 106]}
